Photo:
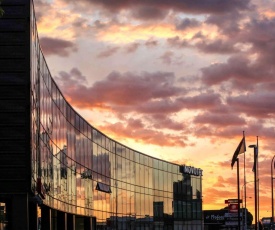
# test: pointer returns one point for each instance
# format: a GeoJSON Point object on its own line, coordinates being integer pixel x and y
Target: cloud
{"type": "Point", "coordinates": [238, 70]}
{"type": "Point", "coordinates": [178, 42]}
{"type": "Point", "coordinates": [99, 25]}
{"type": "Point", "coordinates": [260, 104]}
{"type": "Point", "coordinates": [148, 13]}
{"type": "Point", "coordinates": [132, 47]}
{"type": "Point", "coordinates": [56, 46]}
{"type": "Point", "coordinates": [143, 135]}
{"type": "Point", "coordinates": [221, 120]}
{"type": "Point", "coordinates": [74, 77]}
{"type": "Point", "coordinates": [108, 52]}
{"type": "Point", "coordinates": [188, 6]}
{"type": "Point", "coordinates": [228, 23]}
{"type": "Point", "coordinates": [217, 46]}
{"type": "Point", "coordinates": [151, 42]}
{"type": "Point", "coordinates": [260, 33]}
{"type": "Point", "coordinates": [161, 121]}
{"type": "Point", "coordinates": [128, 89]}
{"type": "Point", "coordinates": [167, 57]}
{"type": "Point", "coordinates": [186, 23]}
{"type": "Point", "coordinates": [202, 101]}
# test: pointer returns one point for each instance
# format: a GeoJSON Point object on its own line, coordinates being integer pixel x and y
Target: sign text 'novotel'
{"type": "Point", "coordinates": [191, 170]}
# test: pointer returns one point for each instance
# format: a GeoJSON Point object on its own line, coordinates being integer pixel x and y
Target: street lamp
{"type": "Point", "coordinates": [255, 147]}
{"type": "Point", "coordinates": [272, 198]}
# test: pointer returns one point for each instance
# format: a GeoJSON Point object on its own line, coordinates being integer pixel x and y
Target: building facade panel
{"type": "Point", "coordinates": [14, 100]}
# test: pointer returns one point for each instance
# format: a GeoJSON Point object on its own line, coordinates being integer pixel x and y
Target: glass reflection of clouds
{"type": "Point", "coordinates": [86, 173]}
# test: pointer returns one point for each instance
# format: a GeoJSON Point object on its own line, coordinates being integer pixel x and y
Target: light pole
{"type": "Point", "coordinates": [272, 196]}
{"type": "Point", "coordinates": [244, 196]}
{"type": "Point", "coordinates": [255, 147]}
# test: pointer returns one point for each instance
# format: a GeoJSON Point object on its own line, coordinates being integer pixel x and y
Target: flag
{"type": "Point", "coordinates": [240, 149]}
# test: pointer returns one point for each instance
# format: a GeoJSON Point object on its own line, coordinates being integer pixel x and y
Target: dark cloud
{"type": "Point", "coordinates": [148, 13]}
{"type": "Point", "coordinates": [178, 42]}
{"type": "Point", "coordinates": [151, 42]}
{"type": "Point", "coordinates": [202, 101]}
{"type": "Point", "coordinates": [167, 57]}
{"type": "Point", "coordinates": [75, 77]}
{"type": "Point", "coordinates": [109, 51]}
{"type": "Point", "coordinates": [228, 23]}
{"type": "Point", "coordinates": [56, 46]}
{"type": "Point", "coordinates": [259, 104]}
{"type": "Point", "coordinates": [164, 105]}
{"type": "Point", "coordinates": [221, 120]}
{"type": "Point", "coordinates": [133, 89]}
{"type": "Point", "coordinates": [128, 89]}
{"type": "Point", "coordinates": [71, 82]}
{"type": "Point", "coordinates": [99, 25]}
{"type": "Point", "coordinates": [187, 6]}
{"type": "Point", "coordinates": [135, 123]}
{"type": "Point", "coordinates": [79, 23]}
{"type": "Point", "coordinates": [238, 71]}
{"type": "Point", "coordinates": [132, 47]}
{"type": "Point", "coordinates": [260, 34]}
{"type": "Point", "coordinates": [217, 47]}
{"type": "Point", "coordinates": [198, 35]}
{"type": "Point", "coordinates": [187, 23]}
{"type": "Point", "coordinates": [161, 121]}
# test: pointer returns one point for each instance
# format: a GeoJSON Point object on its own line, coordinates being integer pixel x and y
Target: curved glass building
{"type": "Point", "coordinates": [55, 159]}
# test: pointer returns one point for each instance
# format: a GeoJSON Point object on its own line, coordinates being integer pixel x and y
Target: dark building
{"type": "Point", "coordinates": [224, 219]}
{"type": "Point", "coordinates": [59, 172]}
{"type": "Point", "coordinates": [214, 219]}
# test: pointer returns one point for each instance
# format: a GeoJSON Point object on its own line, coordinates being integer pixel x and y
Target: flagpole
{"type": "Point", "coordinates": [240, 149]}
{"type": "Point", "coordinates": [238, 181]}
{"type": "Point", "coordinates": [258, 185]}
{"type": "Point", "coordinates": [255, 148]}
{"type": "Point", "coordinates": [244, 211]}
{"type": "Point", "coordinates": [255, 191]}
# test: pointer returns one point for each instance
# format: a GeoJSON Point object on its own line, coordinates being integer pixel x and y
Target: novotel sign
{"type": "Point", "coordinates": [191, 170]}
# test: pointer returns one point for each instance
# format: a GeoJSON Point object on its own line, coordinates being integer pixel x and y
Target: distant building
{"type": "Point", "coordinates": [223, 219]}
{"type": "Point", "coordinates": [54, 161]}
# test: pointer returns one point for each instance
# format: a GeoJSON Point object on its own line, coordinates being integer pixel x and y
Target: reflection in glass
{"type": "Point", "coordinates": [85, 172]}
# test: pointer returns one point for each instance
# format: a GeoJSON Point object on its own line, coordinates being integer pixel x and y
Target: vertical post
{"type": "Point", "coordinates": [238, 179]}
{"type": "Point", "coordinates": [258, 182]}
{"type": "Point", "coordinates": [244, 173]}
{"type": "Point", "coordinates": [255, 189]}
{"type": "Point", "coordinates": [256, 186]}
{"type": "Point", "coordinates": [116, 178]}
{"type": "Point", "coordinates": [272, 194]}
{"type": "Point", "coordinates": [245, 220]}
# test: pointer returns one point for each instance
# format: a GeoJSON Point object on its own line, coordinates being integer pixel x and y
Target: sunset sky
{"type": "Point", "coordinates": [177, 80]}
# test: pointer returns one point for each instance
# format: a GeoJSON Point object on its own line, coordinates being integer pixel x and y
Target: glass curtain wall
{"type": "Point", "coordinates": [77, 169]}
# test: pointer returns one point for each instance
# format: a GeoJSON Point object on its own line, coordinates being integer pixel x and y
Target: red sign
{"type": "Point", "coordinates": [232, 201]}
{"type": "Point", "coordinates": [233, 208]}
